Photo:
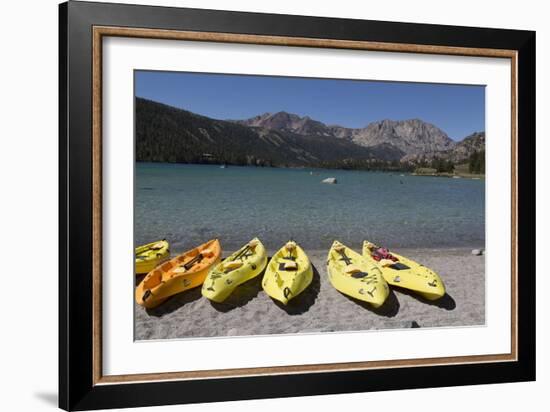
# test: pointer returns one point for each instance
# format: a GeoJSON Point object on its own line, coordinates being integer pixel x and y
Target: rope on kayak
{"type": "Point", "coordinates": [289, 252]}
{"type": "Point", "coordinates": [282, 265]}
{"type": "Point", "coordinates": [213, 278]}
{"type": "Point", "coordinates": [246, 255]}
{"type": "Point", "coordinates": [347, 260]}
{"type": "Point", "coordinates": [290, 257]}
{"type": "Point", "coordinates": [287, 292]}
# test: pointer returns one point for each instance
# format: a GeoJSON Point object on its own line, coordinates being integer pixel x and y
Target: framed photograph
{"type": "Point", "coordinates": [257, 205]}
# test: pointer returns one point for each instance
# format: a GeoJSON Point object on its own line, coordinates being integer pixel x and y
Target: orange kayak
{"type": "Point", "coordinates": [181, 273]}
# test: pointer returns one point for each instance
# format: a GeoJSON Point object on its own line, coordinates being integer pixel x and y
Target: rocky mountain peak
{"type": "Point", "coordinates": [412, 136]}
{"type": "Point", "coordinates": [284, 138]}
{"type": "Point", "coordinates": [288, 122]}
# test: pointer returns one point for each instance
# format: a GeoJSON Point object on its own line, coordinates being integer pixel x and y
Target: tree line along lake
{"type": "Point", "coordinates": [189, 204]}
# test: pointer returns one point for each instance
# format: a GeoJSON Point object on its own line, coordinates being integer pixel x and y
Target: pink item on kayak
{"type": "Point", "coordinates": [383, 253]}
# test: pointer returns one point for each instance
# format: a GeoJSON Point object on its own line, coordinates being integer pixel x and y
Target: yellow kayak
{"type": "Point", "coordinates": [405, 273]}
{"type": "Point", "coordinates": [288, 273]}
{"type": "Point", "coordinates": [181, 273]}
{"type": "Point", "coordinates": [149, 256]}
{"type": "Point", "coordinates": [245, 264]}
{"type": "Point", "coordinates": [354, 276]}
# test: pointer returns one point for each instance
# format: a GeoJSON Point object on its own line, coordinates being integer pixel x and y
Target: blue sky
{"type": "Point", "coordinates": [458, 110]}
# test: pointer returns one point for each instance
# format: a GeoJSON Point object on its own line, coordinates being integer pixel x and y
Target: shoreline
{"type": "Point", "coordinates": [317, 168]}
{"type": "Point", "coordinates": [404, 251]}
{"type": "Point", "coordinates": [472, 176]}
{"type": "Point", "coordinates": [321, 308]}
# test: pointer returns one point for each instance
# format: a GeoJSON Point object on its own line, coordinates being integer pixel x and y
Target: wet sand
{"type": "Point", "coordinates": [321, 308]}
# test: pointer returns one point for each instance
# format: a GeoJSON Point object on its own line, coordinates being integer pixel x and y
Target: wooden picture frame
{"type": "Point", "coordinates": [81, 30]}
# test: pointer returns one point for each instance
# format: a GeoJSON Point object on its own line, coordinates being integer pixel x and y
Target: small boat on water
{"type": "Point", "coordinates": [288, 273]}
{"type": "Point", "coordinates": [246, 263]}
{"type": "Point", "coordinates": [403, 272]}
{"type": "Point", "coordinates": [354, 276]}
{"type": "Point", "coordinates": [185, 271]}
{"type": "Point", "coordinates": [151, 255]}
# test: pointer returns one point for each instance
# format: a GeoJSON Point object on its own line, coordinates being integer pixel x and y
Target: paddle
{"type": "Point", "coordinates": [242, 252]}
{"type": "Point", "coordinates": [190, 264]}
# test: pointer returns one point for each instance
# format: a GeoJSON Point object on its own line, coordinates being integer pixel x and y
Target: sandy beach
{"type": "Point", "coordinates": [321, 308]}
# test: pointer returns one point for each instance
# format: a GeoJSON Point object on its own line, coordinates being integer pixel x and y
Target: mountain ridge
{"type": "Point", "coordinates": [403, 134]}
{"type": "Point", "coordinates": [167, 133]}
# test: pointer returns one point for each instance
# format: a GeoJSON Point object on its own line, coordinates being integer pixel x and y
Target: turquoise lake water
{"type": "Point", "coordinates": [190, 204]}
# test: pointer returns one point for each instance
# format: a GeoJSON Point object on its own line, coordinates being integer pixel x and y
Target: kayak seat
{"type": "Point", "coordinates": [359, 275]}
{"type": "Point", "coordinates": [351, 269]}
{"type": "Point", "coordinates": [292, 265]}
{"type": "Point", "coordinates": [288, 266]}
{"type": "Point", "coordinates": [152, 279]}
{"type": "Point", "coordinates": [386, 262]}
{"type": "Point", "coordinates": [232, 264]}
{"type": "Point", "coordinates": [399, 266]}
{"type": "Point", "coordinates": [207, 253]}
{"type": "Point", "coordinates": [166, 266]}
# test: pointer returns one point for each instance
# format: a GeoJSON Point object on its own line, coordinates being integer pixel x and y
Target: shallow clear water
{"type": "Point", "coordinates": [190, 204]}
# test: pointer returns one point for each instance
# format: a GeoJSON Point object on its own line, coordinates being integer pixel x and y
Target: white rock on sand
{"type": "Point", "coordinates": [321, 308]}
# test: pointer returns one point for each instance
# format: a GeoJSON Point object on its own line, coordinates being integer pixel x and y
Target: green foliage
{"type": "Point", "coordinates": [167, 134]}
{"type": "Point", "coordinates": [442, 165]}
{"type": "Point", "coordinates": [476, 163]}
